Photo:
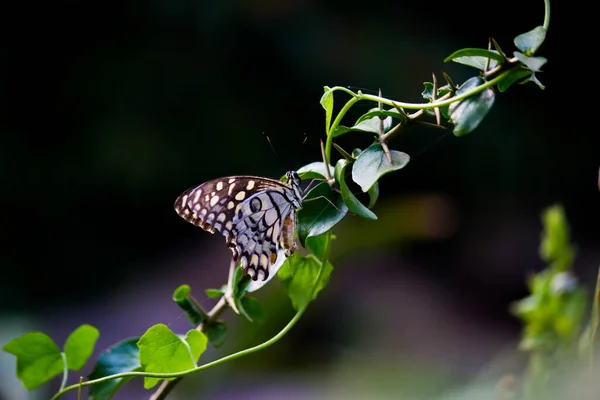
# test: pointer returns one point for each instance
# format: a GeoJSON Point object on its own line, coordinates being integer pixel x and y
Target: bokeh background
{"type": "Point", "coordinates": [111, 110]}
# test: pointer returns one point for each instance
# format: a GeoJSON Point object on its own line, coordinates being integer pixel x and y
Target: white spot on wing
{"type": "Point", "coordinates": [240, 196]}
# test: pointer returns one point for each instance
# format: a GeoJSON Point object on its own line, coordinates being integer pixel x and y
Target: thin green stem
{"type": "Point", "coordinates": [65, 371]}
{"type": "Point", "coordinates": [420, 106]}
{"type": "Point", "coordinates": [230, 357]}
{"type": "Point", "coordinates": [546, 14]}
{"type": "Point", "coordinates": [337, 121]}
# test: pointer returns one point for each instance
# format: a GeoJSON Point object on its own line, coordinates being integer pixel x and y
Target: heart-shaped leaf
{"type": "Point", "coordinates": [161, 350]}
{"type": "Point", "coordinates": [38, 358]}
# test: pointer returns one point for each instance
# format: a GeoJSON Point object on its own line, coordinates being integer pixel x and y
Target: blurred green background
{"type": "Point", "coordinates": [112, 109]}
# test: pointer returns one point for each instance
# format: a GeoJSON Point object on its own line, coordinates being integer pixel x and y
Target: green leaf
{"type": "Point", "coordinates": [252, 310]}
{"type": "Point", "coordinates": [531, 41]}
{"type": "Point", "coordinates": [299, 275]}
{"type": "Point", "coordinates": [216, 333]}
{"type": "Point", "coordinates": [80, 346]}
{"type": "Point", "coordinates": [376, 112]}
{"type": "Point", "coordinates": [372, 164]}
{"type": "Point", "coordinates": [476, 58]}
{"type": "Point", "coordinates": [515, 74]}
{"type": "Point", "coordinates": [533, 63]}
{"type": "Point", "coordinates": [555, 247]}
{"type": "Point", "coordinates": [318, 245]}
{"type": "Point", "coordinates": [350, 200]}
{"type": "Point", "coordinates": [121, 357]}
{"type": "Point", "coordinates": [322, 209]}
{"type": "Point", "coordinates": [38, 358]}
{"type": "Point", "coordinates": [466, 114]}
{"type": "Point", "coordinates": [314, 170]}
{"type": "Point", "coordinates": [182, 296]}
{"type": "Point", "coordinates": [214, 293]}
{"type": "Point", "coordinates": [327, 103]}
{"type": "Point", "coordinates": [373, 194]}
{"type": "Point", "coordinates": [161, 350]}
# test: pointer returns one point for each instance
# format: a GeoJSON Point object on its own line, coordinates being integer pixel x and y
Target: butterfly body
{"type": "Point", "coordinates": [257, 217]}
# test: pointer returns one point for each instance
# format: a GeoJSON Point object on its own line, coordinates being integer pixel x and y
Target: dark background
{"type": "Point", "coordinates": [112, 109]}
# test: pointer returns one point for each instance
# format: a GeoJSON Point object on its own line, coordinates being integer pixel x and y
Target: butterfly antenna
{"type": "Point", "coordinates": [273, 147]}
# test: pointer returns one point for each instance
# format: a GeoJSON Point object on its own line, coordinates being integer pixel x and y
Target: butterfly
{"type": "Point", "coordinates": [256, 215]}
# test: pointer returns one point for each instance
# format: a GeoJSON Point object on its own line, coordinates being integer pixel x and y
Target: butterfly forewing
{"type": "Point", "coordinates": [256, 216]}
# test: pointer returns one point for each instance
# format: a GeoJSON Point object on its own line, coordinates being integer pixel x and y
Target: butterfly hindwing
{"type": "Point", "coordinates": [256, 216]}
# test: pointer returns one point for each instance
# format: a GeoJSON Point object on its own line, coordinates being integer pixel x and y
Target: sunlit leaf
{"type": "Point", "coordinates": [80, 346]}
{"type": "Point", "coordinates": [38, 358]}
{"type": "Point", "coordinates": [161, 350]}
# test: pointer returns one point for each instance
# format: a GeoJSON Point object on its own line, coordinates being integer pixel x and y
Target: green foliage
{"type": "Point", "coordinates": [39, 359]}
{"type": "Point", "coordinates": [552, 313]}
{"type": "Point", "coordinates": [119, 358]}
{"type": "Point", "coordinates": [194, 313]}
{"type": "Point", "coordinates": [161, 350]}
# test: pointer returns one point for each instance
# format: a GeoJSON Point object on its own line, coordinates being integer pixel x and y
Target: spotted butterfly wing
{"type": "Point", "coordinates": [256, 215]}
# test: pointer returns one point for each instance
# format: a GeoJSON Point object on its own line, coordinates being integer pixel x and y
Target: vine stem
{"type": "Point", "coordinates": [181, 374]}
{"type": "Point", "coordinates": [417, 106]}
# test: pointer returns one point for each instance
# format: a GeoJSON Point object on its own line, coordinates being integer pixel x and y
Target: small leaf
{"type": "Point", "coordinates": [476, 58]}
{"type": "Point", "coordinates": [321, 210]}
{"type": "Point", "coordinates": [216, 333]}
{"type": "Point", "coordinates": [370, 122]}
{"type": "Point", "coordinates": [38, 358]}
{"type": "Point", "coordinates": [252, 310]}
{"type": "Point", "coordinates": [515, 74]}
{"type": "Point", "coordinates": [376, 112]}
{"type": "Point", "coordinates": [372, 164]}
{"type": "Point", "coordinates": [531, 41]}
{"type": "Point", "coordinates": [466, 114]}
{"type": "Point", "coordinates": [214, 293]}
{"type": "Point", "coordinates": [80, 346]}
{"type": "Point", "coordinates": [314, 170]}
{"type": "Point", "coordinates": [121, 357]}
{"type": "Point", "coordinates": [299, 276]}
{"type": "Point", "coordinates": [350, 200]}
{"type": "Point", "coordinates": [161, 350]}
{"type": "Point", "coordinates": [195, 314]}
{"type": "Point", "coordinates": [533, 63]}
{"type": "Point", "coordinates": [327, 103]}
